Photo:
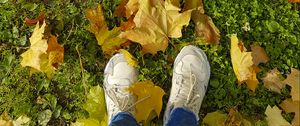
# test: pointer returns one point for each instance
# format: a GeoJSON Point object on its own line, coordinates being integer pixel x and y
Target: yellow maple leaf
{"type": "Point", "coordinates": [242, 64]}
{"type": "Point", "coordinates": [108, 40]}
{"type": "Point", "coordinates": [43, 55]}
{"type": "Point", "coordinates": [289, 105]}
{"type": "Point", "coordinates": [38, 46]}
{"type": "Point", "coordinates": [272, 81]}
{"type": "Point", "coordinates": [293, 79]}
{"type": "Point", "coordinates": [274, 117]}
{"type": "Point", "coordinates": [155, 23]}
{"type": "Point", "coordinates": [129, 58]}
{"type": "Point", "coordinates": [149, 98]}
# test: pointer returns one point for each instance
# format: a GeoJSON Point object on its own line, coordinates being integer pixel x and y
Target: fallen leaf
{"type": "Point", "coordinates": [289, 105]}
{"type": "Point", "coordinates": [205, 28]}
{"type": "Point", "coordinates": [273, 81]}
{"type": "Point", "coordinates": [96, 107]}
{"type": "Point", "coordinates": [242, 64]}
{"type": "Point", "coordinates": [259, 55]}
{"type": "Point", "coordinates": [22, 120]}
{"type": "Point", "coordinates": [154, 24]}
{"type": "Point", "coordinates": [175, 2]}
{"type": "Point", "coordinates": [233, 118]}
{"type": "Point", "coordinates": [31, 22]}
{"type": "Point", "coordinates": [120, 11]}
{"type": "Point", "coordinates": [55, 52]}
{"type": "Point", "coordinates": [95, 104]}
{"type": "Point", "coordinates": [108, 40]}
{"type": "Point", "coordinates": [127, 25]}
{"type": "Point", "coordinates": [127, 8]}
{"type": "Point", "coordinates": [294, 1]}
{"type": "Point", "coordinates": [38, 46]}
{"type": "Point", "coordinates": [5, 120]}
{"type": "Point", "coordinates": [293, 79]}
{"type": "Point", "coordinates": [129, 58]}
{"type": "Point", "coordinates": [194, 4]}
{"type": "Point", "coordinates": [149, 98]}
{"type": "Point", "coordinates": [274, 117]}
{"type": "Point", "coordinates": [216, 118]}
{"type": "Point", "coordinates": [44, 55]}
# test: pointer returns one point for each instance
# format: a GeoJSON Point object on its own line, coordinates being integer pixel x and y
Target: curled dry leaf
{"type": "Point", "coordinates": [242, 64]}
{"type": "Point", "coordinates": [289, 105]}
{"type": "Point", "coordinates": [259, 55]}
{"type": "Point", "coordinates": [31, 22]}
{"type": "Point", "coordinates": [149, 98]}
{"type": "Point", "coordinates": [273, 81]}
{"type": "Point", "coordinates": [293, 79]}
{"type": "Point", "coordinates": [205, 28]}
{"type": "Point", "coordinates": [108, 40]}
{"type": "Point", "coordinates": [155, 22]}
{"type": "Point", "coordinates": [274, 117]}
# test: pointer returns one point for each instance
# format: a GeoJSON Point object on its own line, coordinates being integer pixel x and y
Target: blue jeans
{"type": "Point", "coordinates": [178, 117]}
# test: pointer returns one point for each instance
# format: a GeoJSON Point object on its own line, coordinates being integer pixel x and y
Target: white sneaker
{"type": "Point", "coordinates": [118, 76]}
{"type": "Point", "coordinates": [190, 79]}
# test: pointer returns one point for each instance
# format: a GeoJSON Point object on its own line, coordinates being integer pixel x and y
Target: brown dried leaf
{"type": "Point", "coordinates": [273, 81]}
{"type": "Point", "coordinates": [292, 106]}
{"type": "Point", "coordinates": [259, 55]}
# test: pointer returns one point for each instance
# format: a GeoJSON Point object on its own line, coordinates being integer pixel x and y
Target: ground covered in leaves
{"type": "Point", "coordinates": [274, 25]}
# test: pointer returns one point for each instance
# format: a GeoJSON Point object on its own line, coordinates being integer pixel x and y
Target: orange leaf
{"type": "Point", "coordinates": [294, 1]}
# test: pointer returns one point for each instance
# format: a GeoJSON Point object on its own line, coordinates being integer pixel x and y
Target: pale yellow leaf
{"type": "Point", "coordinates": [274, 117]}
{"type": "Point", "coordinates": [38, 46]}
{"type": "Point", "coordinates": [293, 79]}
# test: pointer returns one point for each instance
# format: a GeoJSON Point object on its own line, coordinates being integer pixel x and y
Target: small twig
{"type": "Point", "coordinates": [82, 70]}
{"type": "Point", "coordinates": [71, 30]}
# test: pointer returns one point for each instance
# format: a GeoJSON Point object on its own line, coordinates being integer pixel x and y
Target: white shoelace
{"type": "Point", "coordinates": [191, 94]}
{"type": "Point", "coordinates": [122, 100]}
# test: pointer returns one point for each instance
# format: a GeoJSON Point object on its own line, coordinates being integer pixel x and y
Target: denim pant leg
{"type": "Point", "coordinates": [182, 117]}
{"type": "Point", "coordinates": [123, 119]}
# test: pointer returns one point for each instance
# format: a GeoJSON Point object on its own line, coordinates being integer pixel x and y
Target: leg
{"type": "Point", "coordinates": [123, 119]}
{"type": "Point", "coordinates": [182, 117]}
{"type": "Point", "coordinates": [118, 76]}
{"type": "Point", "coordinates": [190, 79]}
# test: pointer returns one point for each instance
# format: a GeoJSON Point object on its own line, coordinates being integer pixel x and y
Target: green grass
{"type": "Point", "coordinates": [275, 25]}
